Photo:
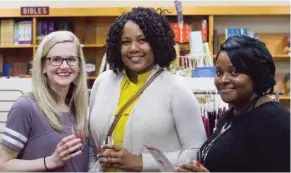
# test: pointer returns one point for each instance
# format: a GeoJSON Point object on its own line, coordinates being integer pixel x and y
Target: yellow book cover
{"type": "Point", "coordinates": [10, 34]}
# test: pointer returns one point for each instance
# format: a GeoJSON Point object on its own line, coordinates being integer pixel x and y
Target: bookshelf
{"type": "Point", "coordinates": [285, 97]}
{"type": "Point", "coordinates": [91, 26]}
{"type": "Point", "coordinates": [276, 58]}
{"type": "Point", "coordinates": [16, 46]}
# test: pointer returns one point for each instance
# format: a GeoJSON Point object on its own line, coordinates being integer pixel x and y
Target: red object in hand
{"type": "Point", "coordinates": [99, 150]}
{"type": "Point", "coordinates": [80, 134]}
{"type": "Point", "coordinates": [198, 164]}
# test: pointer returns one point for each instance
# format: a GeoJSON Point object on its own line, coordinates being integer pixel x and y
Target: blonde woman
{"type": "Point", "coordinates": [36, 137]}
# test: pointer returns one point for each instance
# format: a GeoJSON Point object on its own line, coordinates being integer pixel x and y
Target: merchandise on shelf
{"type": "Point", "coordinates": [45, 27]}
{"type": "Point", "coordinates": [14, 32]}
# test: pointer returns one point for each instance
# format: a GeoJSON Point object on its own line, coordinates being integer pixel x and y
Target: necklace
{"type": "Point", "coordinates": [205, 151]}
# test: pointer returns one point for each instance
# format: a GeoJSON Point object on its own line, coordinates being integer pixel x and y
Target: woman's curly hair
{"type": "Point", "coordinates": [157, 32]}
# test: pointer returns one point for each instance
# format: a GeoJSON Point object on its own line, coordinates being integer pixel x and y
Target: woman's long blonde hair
{"type": "Point", "coordinates": [46, 97]}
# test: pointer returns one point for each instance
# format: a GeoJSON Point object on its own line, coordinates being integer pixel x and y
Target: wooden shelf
{"type": "Point", "coordinates": [274, 42]}
{"type": "Point", "coordinates": [85, 45]}
{"type": "Point", "coordinates": [28, 76]}
{"type": "Point", "coordinates": [284, 98]}
{"type": "Point", "coordinates": [91, 25]}
{"type": "Point", "coordinates": [15, 46]}
{"type": "Point", "coordinates": [93, 45]}
{"type": "Point", "coordinates": [35, 46]}
{"type": "Point", "coordinates": [276, 58]}
{"type": "Point", "coordinates": [189, 10]}
{"type": "Point", "coordinates": [281, 58]}
{"type": "Point", "coordinates": [91, 77]}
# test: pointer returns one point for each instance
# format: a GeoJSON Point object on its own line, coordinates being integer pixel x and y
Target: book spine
{"type": "Point", "coordinates": [16, 33]}
{"type": "Point", "coordinates": [204, 30]}
{"type": "Point", "coordinates": [21, 31]}
{"type": "Point", "coordinates": [39, 32]}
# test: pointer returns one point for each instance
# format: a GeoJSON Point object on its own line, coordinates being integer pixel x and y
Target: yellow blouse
{"type": "Point", "coordinates": [127, 90]}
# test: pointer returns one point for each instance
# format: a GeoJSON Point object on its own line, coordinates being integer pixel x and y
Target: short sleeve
{"type": "Point", "coordinates": [18, 125]}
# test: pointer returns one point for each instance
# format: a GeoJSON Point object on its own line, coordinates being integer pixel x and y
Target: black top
{"type": "Point", "coordinates": [256, 141]}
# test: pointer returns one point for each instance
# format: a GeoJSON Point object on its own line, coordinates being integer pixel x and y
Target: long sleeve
{"type": "Point", "coordinates": [188, 122]}
{"type": "Point", "coordinates": [93, 92]}
{"type": "Point", "coordinates": [92, 99]}
{"type": "Point", "coordinates": [273, 143]}
{"type": "Point", "coordinates": [92, 145]}
{"type": "Point", "coordinates": [92, 156]}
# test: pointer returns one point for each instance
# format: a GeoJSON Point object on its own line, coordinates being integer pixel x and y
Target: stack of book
{"type": "Point", "coordinates": [238, 31]}
{"type": "Point", "coordinates": [15, 32]}
{"type": "Point", "coordinates": [45, 27]}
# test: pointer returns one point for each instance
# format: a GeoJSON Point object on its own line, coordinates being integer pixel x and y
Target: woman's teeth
{"type": "Point", "coordinates": [63, 74]}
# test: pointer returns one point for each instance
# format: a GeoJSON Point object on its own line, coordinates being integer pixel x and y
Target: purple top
{"type": "Point", "coordinates": [28, 132]}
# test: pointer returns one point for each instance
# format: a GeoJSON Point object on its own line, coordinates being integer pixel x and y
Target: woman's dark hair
{"type": "Point", "coordinates": [156, 29]}
{"type": "Point", "coordinates": [250, 56]}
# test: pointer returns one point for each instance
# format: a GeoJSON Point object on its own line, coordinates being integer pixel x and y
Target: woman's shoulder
{"type": "Point", "coordinates": [273, 108]}
{"type": "Point", "coordinates": [25, 102]}
{"type": "Point", "coordinates": [108, 74]}
{"type": "Point", "coordinates": [176, 81]}
{"type": "Point", "coordinates": [271, 114]}
{"type": "Point", "coordinates": [23, 107]}
{"type": "Point", "coordinates": [104, 80]}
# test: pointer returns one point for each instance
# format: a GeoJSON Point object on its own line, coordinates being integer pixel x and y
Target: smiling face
{"type": "Point", "coordinates": [61, 75]}
{"type": "Point", "coordinates": [136, 52]}
{"type": "Point", "coordinates": [234, 88]}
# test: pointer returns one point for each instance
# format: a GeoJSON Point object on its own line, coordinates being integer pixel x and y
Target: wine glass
{"type": "Point", "coordinates": [187, 156]}
{"type": "Point", "coordinates": [74, 129]}
{"type": "Point", "coordinates": [97, 167]}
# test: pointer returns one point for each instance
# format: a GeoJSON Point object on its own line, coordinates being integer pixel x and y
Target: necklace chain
{"type": "Point", "coordinates": [205, 151]}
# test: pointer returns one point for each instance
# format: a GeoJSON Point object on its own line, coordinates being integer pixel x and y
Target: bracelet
{"type": "Point", "coordinates": [45, 164]}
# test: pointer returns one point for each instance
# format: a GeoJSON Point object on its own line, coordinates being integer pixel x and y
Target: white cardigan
{"type": "Point", "coordinates": [165, 116]}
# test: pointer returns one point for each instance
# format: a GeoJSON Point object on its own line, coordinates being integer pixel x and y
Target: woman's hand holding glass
{"type": "Point", "coordinates": [70, 146]}
{"type": "Point", "coordinates": [119, 158]}
{"type": "Point", "coordinates": [193, 167]}
{"type": "Point", "coordinates": [73, 129]}
{"type": "Point", "coordinates": [66, 149]}
{"type": "Point", "coordinates": [187, 162]}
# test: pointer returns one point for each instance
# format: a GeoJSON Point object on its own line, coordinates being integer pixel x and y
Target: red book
{"type": "Point", "coordinates": [204, 30]}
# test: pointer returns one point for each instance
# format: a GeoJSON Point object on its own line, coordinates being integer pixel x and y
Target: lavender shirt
{"type": "Point", "coordinates": [28, 132]}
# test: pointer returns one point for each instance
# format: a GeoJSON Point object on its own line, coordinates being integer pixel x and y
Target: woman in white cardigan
{"type": "Point", "coordinates": [166, 115]}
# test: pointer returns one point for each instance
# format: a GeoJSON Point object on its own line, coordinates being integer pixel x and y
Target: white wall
{"type": "Point", "coordinates": [24, 85]}
{"type": "Point", "coordinates": [123, 3]}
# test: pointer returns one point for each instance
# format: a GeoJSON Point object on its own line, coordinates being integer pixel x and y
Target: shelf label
{"type": "Point", "coordinates": [34, 11]}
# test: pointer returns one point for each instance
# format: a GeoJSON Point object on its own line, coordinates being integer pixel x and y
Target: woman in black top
{"type": "Point", "coordinates": [254, 135]}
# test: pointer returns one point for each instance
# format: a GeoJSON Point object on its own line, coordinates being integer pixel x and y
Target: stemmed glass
{"type": "Point", "coordinates": [97, 167]}
{"type": "Point", "coordinates": [73, 129]}
{"type": "Point", "coordinates": [187, 156]}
